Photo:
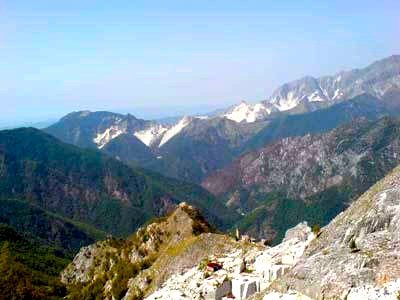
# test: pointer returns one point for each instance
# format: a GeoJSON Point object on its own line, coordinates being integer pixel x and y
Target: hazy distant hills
{"type": "Point", "coordinates": [38, 125]}
{"type": "Point", "coordinates": [186, 150]}
{"type": "Point", "coordinates": [195, 146]}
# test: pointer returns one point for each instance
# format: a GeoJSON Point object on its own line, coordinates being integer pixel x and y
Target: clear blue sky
{"type": "Point", "coordinates": [64, 55]}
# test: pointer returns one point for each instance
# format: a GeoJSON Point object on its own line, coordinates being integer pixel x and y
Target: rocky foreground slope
{"type": "Point", "coordinates": [356, 256]}
{"type": "Point", "coordinates": [180, 257]}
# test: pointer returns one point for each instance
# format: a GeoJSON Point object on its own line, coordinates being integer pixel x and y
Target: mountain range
{"type": "Point", "coordinates": [304, 154]}
{"type": "Point", "coordinates": [208, 149]}
{"type": "Point", "coordinates": [376, 79]}
{"type": "Point", "coordinates": [195, 146]}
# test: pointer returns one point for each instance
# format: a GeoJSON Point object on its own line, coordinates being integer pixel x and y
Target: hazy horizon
{"type": "Point", "coordinates": [173, 58]}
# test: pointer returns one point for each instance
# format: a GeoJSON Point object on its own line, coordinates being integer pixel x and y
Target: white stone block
{"type": "Point", "coordinates": [288, 259]}
{"type": "Point", "coordinates": [215, 290]}
{"type": "Point", "coordinates": [245, 286]}
{"type": "Point", "coordinates": [277, 271]}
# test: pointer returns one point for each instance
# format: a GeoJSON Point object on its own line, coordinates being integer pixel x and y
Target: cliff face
{"type": "Point", "coordinates": [357, 255]}
{"type": "Point", "coordinates": [303, 166]}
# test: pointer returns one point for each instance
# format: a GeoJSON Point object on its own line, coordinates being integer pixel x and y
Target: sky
{"type": "Point", "coordinates": [162, 58]}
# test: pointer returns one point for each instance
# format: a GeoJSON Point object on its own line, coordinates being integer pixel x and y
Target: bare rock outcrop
{"type": "Point", "coordinates": [357, 256]}
{"type": "Point", "coordinates": [134, 267]}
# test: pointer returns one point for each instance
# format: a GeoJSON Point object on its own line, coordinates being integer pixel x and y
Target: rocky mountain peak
{"type": "Point", "coordinates": [141, 263]}
{"type": "Point", "coordinates": [375, 79]}
{"type": "Point", "coordinates": [183, 223]}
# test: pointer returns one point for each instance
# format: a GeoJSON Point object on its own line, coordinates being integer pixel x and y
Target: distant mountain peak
{"type": "Point", "coordinates": [84, 113]}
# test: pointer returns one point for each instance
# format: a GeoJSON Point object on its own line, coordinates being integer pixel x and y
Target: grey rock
{"type": "Point", "coordinates": [376, 80]}
{"type": "Point", "coordinates": [331, 268]}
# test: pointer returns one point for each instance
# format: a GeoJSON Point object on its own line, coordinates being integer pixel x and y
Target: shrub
{"type": "Point", "coordinates": [145, 237]}
{"type": "Point", "coordinates": [316, 229]}
{"type": "Point", "coordinates": [203, 264]}
{"type": "Point", "coordinates": [353, 246]}
{"type": "Point", "coordinates": [93, 291]}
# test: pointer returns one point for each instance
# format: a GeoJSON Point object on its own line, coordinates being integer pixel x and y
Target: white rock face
{"type": "Point", "coordinates": [213, 289]}
{"type": "Point", "coordinates": [376, 79]}
{"type": "Point", "coordinates": [105, 137]}
{"type": "Point", "coordinates": [174, 130]}
{"type": "Point", "coordinates": [150, 135]}
{"type": "Point", "coordinates": [245, 286]}
{"type": "Point", "coordinates": [248, 113]}
{"type": "Point", "coordinates": [262, 266]}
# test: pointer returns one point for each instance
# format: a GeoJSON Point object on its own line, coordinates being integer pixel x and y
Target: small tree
{"type": "Point", "coordinates": [353, 246]}
{"type": "Point", "coordinates": [316, 229]}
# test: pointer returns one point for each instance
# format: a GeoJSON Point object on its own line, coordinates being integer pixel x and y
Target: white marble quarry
{"type": "Point", "coordinates": [242, 274]}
